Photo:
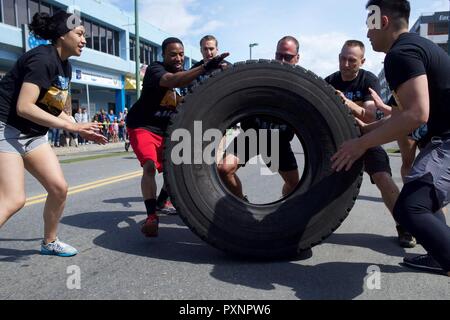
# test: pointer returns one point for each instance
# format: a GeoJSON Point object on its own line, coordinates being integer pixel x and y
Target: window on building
{"type": "Point", "coordinates": [88, 34]}
{"type": "Point", "coordinates": [33, 7]}
{"type": "Point", "coordinates": [141, 52]}
{"type": "Point", "coordinates": [103, 47]}
{"type": "Point", "coordinates": [116, 44]}
{"type": "Point", "coordinates": [95, 37]}
{"type": "Point", "coordinates": [22, 12]}
{"type": "Point", "coordinates": [147, 51]}
{"type": "Point", "coordinates": [154, 54]}
{"type": "Point", "coordinates": [437, 28]}
{"type": "Point", "coordinates": [109, 41]}
{"type": "Point", "coordinates": [9, 14]}
{"type": "Point", "coordinates": [45, 8]}
{"type": "Point", "coordinates": [132, 47]}
{"type": "Point", "coordinates": [147, 55]}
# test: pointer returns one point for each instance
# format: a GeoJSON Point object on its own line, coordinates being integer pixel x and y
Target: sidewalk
{"type": "Point", "coordinates": [120, 146]}
{"type": "Point", "coordinates": [70, 151]}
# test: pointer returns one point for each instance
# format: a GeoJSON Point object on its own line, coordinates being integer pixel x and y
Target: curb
{"type": "Point", "coordinates": [69, 151]}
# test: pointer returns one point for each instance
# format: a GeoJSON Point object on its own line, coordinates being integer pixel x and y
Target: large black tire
{"type": "Point", "coordinates": [317, 208]}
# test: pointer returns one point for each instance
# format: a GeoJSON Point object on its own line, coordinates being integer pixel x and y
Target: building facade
{"type": "Point", "coordinates": [104, 76]}
{"type": "Point", "coordinates": [434, 27]}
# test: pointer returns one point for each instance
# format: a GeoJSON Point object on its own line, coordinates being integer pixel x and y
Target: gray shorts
{"type": "Point", "coordinates": [13, 141]}
{"type": "Point", "coordinates": [432, 166]}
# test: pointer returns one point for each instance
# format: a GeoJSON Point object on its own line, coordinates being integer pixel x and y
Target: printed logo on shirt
{"type": "Point", "coordinates": [56, 96]}
{"type": "Point", "coordinates": [172, 99]}
{"type": "Point", "coordinates": [356, 97]}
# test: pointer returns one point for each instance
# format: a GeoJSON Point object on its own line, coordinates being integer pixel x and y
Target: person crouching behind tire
{"type": "Point", "coordinates": [287, 52]}
{"type": "Point", "coordinates": [32, 98]}
{"type": "Point", "coordinates": [356, 87]}
{"type": "Point", "coordinates": [148, 119]}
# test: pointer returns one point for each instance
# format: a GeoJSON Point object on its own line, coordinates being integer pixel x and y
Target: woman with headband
{"type": "Point", "coordinates": [32, 98]}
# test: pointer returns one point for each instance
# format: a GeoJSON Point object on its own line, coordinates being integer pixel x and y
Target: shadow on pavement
{"type": "Point", "coordinates": [384, 245]}
{"type": "Point", "coordinates": [331, 281]}
{"type": "Point", "coordinates": [371, 199]}
{"type": "Point", "coordinates": [16, 256]}
{"type": "Point", "coordinates": [126, 202]}
{"type": "Point", "coordinates": [337, 280]}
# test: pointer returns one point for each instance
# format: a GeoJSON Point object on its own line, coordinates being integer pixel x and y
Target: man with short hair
{"type": "Point", "coordinates": [209, 47]}
{"type": "Point", "coordinates": [418, 73]}
{"type": "Point", "coordinates": [287, 52]}
{"type": "Point", "coordinates": [149, 118]}
{"type": "Point", "coordinates": [353, 84]}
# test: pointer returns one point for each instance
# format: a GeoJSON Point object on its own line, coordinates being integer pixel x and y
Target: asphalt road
{"type": "Point", "coordinates": [116, 262]}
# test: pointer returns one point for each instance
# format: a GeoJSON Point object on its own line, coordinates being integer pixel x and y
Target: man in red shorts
{"type": "Point", "coordinates": [148, 119]}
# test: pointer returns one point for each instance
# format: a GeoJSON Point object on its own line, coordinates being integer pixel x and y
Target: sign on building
{"type": "Point", "coordinates": [91, 77]}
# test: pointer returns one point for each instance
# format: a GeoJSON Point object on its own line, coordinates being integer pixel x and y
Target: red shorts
{"type": "Point", "coordinates": [147, 146]}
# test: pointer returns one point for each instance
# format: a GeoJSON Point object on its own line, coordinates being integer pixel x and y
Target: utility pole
{"type": "Point", "coordinates": [137, 51]}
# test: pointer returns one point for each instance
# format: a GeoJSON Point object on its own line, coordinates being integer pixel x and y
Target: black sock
{"type": "Point", "coordinates": [150, 205]}
{"type": "Point", "coordinates": [163, 196]}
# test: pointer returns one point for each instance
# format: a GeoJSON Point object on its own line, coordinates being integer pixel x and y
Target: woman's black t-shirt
{"type": "Point", "coordinates": [43, 67]}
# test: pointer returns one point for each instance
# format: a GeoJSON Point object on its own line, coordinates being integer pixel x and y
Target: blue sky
{"type": "Point", "coordinates": [321, 26]}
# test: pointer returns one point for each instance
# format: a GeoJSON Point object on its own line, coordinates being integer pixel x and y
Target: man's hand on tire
{"type": "Point", "coordinates": [215, 63]}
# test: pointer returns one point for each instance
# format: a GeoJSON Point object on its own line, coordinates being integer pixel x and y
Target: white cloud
{"type": "Point", "coordinates": [320, 52]}
{"type": "Point", "coordinates": [208, 28]}
{"type": "Point", "coordinates": [177, 23]}
{"type": "Point", "coordinates": [176, 16]}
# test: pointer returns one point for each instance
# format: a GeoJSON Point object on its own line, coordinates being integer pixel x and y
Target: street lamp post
{"type": "Point", "coordinates": [251, 45]}
{"type": "Point", "coordinates": [137, 50]}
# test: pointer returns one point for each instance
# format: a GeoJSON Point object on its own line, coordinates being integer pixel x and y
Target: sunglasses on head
{"type": "Point", "coordinates": [284, 56]}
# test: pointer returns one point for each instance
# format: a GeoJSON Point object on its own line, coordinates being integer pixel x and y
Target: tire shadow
{"type": "Point", "coordinates": [326, 281]}
{"type": "Point", "coordinates": [381, 244]}
{"type": "Point", "coordinates": [121, 233]}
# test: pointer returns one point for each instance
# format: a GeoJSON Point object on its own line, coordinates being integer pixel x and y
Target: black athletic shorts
{"type": "Point", "coordinates": [376, 160]}
{"type": "Point", "coordinates": [287, 160]}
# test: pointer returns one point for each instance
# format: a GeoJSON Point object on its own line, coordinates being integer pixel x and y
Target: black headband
{"type": "Point", "coordinates": [64, 22]}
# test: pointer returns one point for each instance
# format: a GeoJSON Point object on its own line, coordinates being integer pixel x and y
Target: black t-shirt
{"type": "Point", "coordinates": [156, 105]}
{"type": "Point", "coordinates": [287, 134]}
{"type": "Point", "coordinates": [412, 56]}
{"type": "Point", "coordinates": [43, 67]}
{"type": "Point", "coordinates": [356, 90]}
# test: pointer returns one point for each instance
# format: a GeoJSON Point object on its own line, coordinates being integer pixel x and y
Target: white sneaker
{"type": "Point", "coordinates": [58, 248]}
{"type": "Point", "coordinates": [167, 208]}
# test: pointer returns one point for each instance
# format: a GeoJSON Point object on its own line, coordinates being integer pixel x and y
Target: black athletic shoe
{"type": "Point", "coordinates": [127, 146]}
{"type": "Point", "coordinates": [423, 262]}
